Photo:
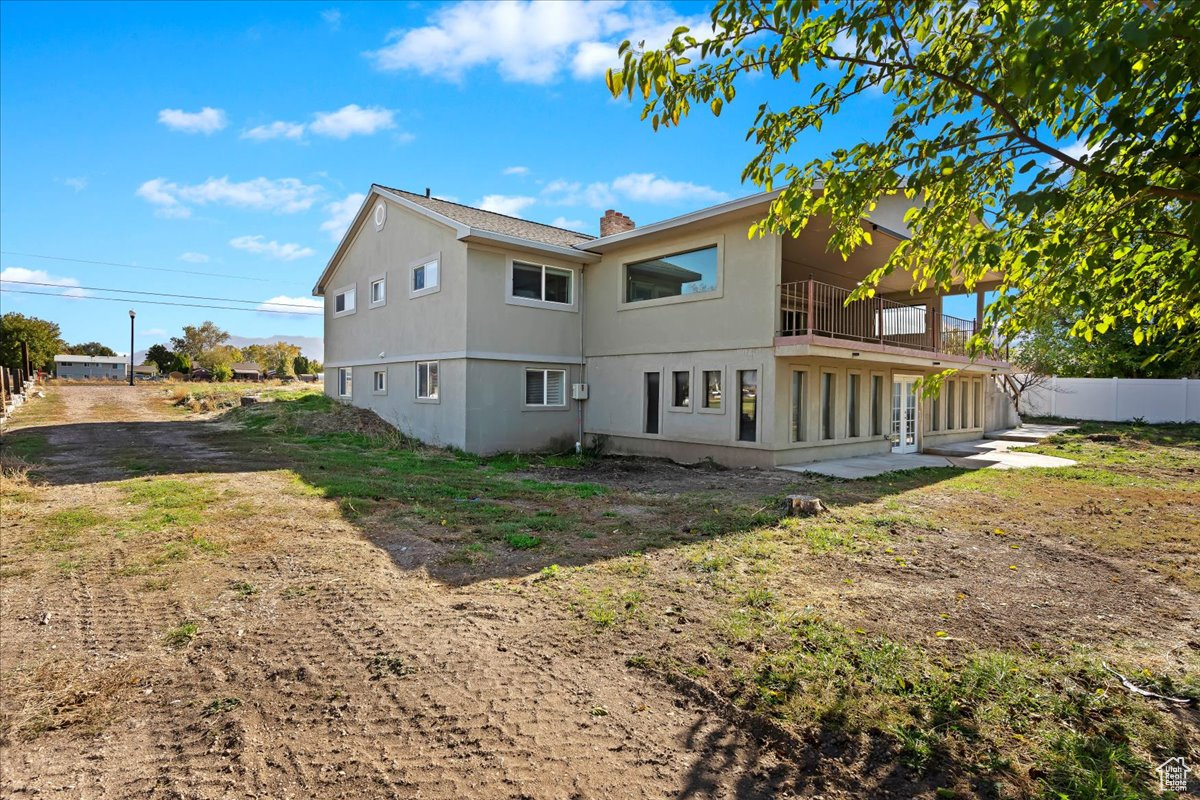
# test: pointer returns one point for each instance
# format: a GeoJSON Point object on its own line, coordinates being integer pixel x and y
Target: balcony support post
{"type": "Point", "coordinates": [808, 321]}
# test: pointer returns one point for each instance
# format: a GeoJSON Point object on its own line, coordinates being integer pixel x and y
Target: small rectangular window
{"type": "Point", "coordinates": [935, 413]}
{"type": "Point", "coordinates": [748, 414]}
{"type": "Point", "coordinates": [877, 405]}
{"type": "Point", "coordinates": [345, 382]}
{"type": "Point", "coordinates": [544, 284]}
{"type": "Point", "coordinates": [826, 405]}
{"type": "Point", "coordinates": [691, 272]}
{"type": "Point", "coordinates": [712, 389]}
{"type": "Point", "coordinates": [950, 407]}
{"type": "Point", "coordinates": [852, 405]}
{"type": "Point", "coordinates": [343, 301]}
{"type": "Point", "coordinates": [798, 405]}
{"type": "Point", "coordinates": [681, 389]}
{"type": "Point", "coordinates": [381, 381]}
{"type": "Point", "coordinates": [427, 380]}
{"type": "Point", "coordinates": [545, 387]}
{"type": "Point", "coordinates": [425, 277]}
{"type": "Point", "coordinates": [378, 291]}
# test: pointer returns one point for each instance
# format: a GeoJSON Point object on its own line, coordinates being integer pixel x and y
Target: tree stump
{"type": "Point", "coordinates": [249, 400]}
{"type": "Point", "coordinates": [803, 505]}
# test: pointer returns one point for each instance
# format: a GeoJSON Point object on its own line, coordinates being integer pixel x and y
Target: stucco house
{"type": "Point", "coordinates": [102, 367]}
{"type": "Point", "coordinates": [684, 338]}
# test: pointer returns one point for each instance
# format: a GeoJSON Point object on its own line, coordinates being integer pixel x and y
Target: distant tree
{"type": "Point", "coordinates": [219, 354]}
{"type": "Point", "coordinates": [1069, 128]}
{"type": "Point", "coordinates": [1049, 349]}
{"type": "Point", "coordinates": [161, 357]}
{"type": "Point", "coordinates": [197, 340]}
{"type": "Point", "coordinates": [277, 357]}
{"type": "Point", "coordinates": [43, 337]}
{"type": "Point", "coordinates": [301, 365]}
{"type": "Point", "coordinates": [90, 349]}
{"type": "Point", "coordinates": [182, 363]}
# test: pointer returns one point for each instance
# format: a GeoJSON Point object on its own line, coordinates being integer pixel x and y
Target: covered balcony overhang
{"type": "Point", "coordinates": [816, 317]}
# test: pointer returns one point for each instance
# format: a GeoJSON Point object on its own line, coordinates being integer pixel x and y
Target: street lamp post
{"type": "Point", "coordinates": [132, 314]}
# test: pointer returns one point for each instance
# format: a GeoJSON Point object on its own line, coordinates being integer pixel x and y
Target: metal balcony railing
{"type": "Point", "coordinates": [812, 307]}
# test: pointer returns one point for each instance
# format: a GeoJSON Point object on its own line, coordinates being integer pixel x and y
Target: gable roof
{"type": "Point", "coordinates": [483, 220]}
{"type": "Point", "coordinates": [58, 359]}
{"type": "Point", "coordinates": [471, 225]}
{"type": "Point", "coordinates": [244, 366]}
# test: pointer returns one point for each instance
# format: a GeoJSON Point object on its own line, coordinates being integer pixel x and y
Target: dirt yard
{"type": "Point", "coordinates": [276, 603]}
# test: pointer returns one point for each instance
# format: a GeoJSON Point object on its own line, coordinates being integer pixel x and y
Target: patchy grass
{"type": "Point", "coordinates": [181, 635]}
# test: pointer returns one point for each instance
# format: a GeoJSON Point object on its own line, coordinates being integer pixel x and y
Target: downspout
{"type": "Point", "coordinates": [579, 404]}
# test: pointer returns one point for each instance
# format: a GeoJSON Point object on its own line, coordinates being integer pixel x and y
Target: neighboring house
{"type": "Point", "coordinates": [683, 339]}
{"type": "Point", "coordinates": [246, 371]}
{"type": "Point", "coordinates": [145, 371]}
{"type": "Point", "coordinates": [111, 367]}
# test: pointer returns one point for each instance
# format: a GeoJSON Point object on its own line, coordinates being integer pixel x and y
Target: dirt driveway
{"type": "Point", "coordinates": [314, 666]}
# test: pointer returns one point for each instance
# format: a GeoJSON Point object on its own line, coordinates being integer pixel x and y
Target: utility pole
{"type": "Point", "coordinates": [132, 314]}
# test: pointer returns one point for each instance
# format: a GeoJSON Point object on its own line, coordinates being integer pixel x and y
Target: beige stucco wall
{"type": "Point", "coordinates": [498, 419]}
{"type": "Point", "coordinates": [741, 314]}
{"type": "Point", "coordinates": [429, 324]}
{"type": "Point", "coordinates": [495, 324]}
{"type": "Point", "coordinates": [441, 422]}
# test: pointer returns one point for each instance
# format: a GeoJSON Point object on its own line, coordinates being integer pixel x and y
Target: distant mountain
{"type": "Point", "coordinates": [310, 346]}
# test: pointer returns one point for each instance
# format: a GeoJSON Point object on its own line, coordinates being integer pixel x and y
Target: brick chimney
{"type": "Point", "coordinates": [615, 222]}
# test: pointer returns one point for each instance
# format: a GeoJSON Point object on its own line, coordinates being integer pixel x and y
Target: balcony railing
{"type": "Point", "coordinates": [812, 307]}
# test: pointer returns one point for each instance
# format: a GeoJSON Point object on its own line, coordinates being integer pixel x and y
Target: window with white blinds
{"type": "Point", "coordinates": [545, 387]}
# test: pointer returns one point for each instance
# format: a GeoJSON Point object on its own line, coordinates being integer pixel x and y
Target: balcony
{"type": "Point", "coordinates": [817, 312]}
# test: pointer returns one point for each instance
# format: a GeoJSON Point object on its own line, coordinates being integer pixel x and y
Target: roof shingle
{"type": "Point", "coordinates": [496, 223]}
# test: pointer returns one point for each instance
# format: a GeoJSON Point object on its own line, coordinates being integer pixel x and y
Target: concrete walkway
{"type": "Point", "coordinates": [1000, 451]}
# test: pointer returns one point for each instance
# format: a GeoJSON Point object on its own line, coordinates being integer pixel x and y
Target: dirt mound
{"type": "Point", "coordinates": [347, 419]}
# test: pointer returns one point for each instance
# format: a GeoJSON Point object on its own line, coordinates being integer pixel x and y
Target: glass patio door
{"type": "Point", "coordinates": [904, 414]}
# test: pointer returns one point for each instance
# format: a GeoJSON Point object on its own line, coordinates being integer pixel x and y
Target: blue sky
{"type": "Point", "coordinates": [237, 138]}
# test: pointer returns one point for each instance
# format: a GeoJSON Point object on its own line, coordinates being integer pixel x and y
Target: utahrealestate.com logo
{"type": "Point", "coordinates": [1173, 774]}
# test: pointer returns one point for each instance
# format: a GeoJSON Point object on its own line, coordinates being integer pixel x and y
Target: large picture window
{"type": "Point", "coordinates": [542, 284]}
{"type": "Point", "coordinates": [545, 387]}
{"type": "Point", "coordinates": [688, 273]}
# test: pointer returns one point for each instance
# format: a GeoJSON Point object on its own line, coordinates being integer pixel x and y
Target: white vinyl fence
{"type": "Point", "coordinates": [1115, 399]}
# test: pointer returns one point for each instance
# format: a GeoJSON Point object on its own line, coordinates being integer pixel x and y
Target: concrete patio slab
{"type": "Point", "coordinates": [869, 466]}
{"type": "Point", "coordinates": [977, 454]}
{"type": "Point", "coordinates": [1028, 433]}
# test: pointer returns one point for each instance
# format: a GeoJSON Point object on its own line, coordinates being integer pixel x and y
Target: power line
{"type": "Point", "coordinates": [137, 266]}
{"type": "Point", "coordinates": [158, 294]}
{"type": "Point", "coordinates": [156, 302]}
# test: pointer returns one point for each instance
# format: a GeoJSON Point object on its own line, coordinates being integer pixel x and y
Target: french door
{"type": "Point", "coordinates": [904, 414]}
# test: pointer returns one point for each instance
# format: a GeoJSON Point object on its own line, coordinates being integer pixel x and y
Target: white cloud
{"type": "Point", "coordinates": [78, 184]}
{"type": "Point", "coordinates": [206, 120]}
{"type": "Point", "coordinates": [637, 187]}
{"type": "Point", "coordinates": [275, 130]}
{"type": "Point", "coordinates": [333, 18]}
{"type": "Point", "coordinates": [194, 258]}
{"type": "Point", "coordinates": [350, 120]}
{"type": "Point", "coordinates": [569, 224]}
{"type": "Point", "coordinates": [526, 41]}
{"type": "Point", "coordinates": [38, 276]}
{"type": "Point", "coordinates": [646, 187]}
{"type": "Point", "coordinates": [284, 303]}
{"type": "Point", "coordinates": [1078, 150]}
{"type": "Point", "coordinates": [280, 195]}
{"type": "Point", "coordinates": [341, 214]}
{"type": "Point", "coordinates": [511, 205]}
{"type": "Point", "coordinates": [516, 170]}
{"type": "Point", "coordinates": [272, 249]}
